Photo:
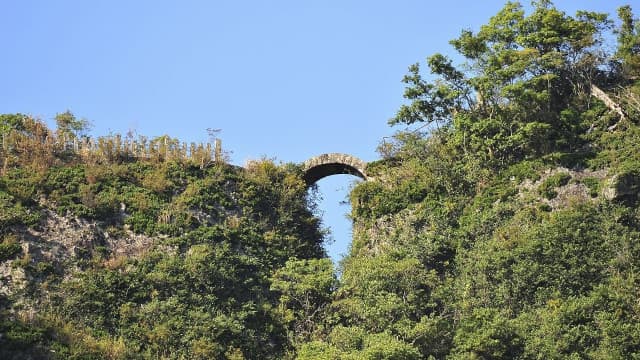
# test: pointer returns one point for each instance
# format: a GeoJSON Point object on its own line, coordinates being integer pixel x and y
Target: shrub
{"type": "Point", "coordinates": [548, 186]}
{"type": "Point", "coordinates": [593, 184]}
{"type": "Point", "coordinates": [9, 250]}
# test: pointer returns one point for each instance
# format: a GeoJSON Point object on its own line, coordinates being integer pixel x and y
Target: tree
{"type": "Point", "coordinates": [10, 122]}
{"type": "Point", "coordinates": [305, 288]}
{"type": "Point", "coordinates": [628, 42]}
{"type": "Point", "coordinates": [522, 73]}
{"type": "Point", "coordinates": [70, 127]}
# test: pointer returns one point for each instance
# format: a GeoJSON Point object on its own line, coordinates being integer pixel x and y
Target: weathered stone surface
{"type": "Point", "coordinates": [622, 186]}
{"type": "Point", "coordinates": [575, 191]}
{"type": "Point", "coordinates": [325, 165]}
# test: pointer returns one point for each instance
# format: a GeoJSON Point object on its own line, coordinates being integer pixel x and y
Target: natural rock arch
{"type": "Point", "coordinates": [324, 165]}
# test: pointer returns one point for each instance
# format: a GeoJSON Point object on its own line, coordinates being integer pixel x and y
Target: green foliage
{"type": "Point", "coordinates": [215, 273]}
{"type": "Point", "coordinates": [22, 341]}
{"type": "Point", "coordinates": [527, 71]}
{"type": "Point", "coordinates": [69, 126]}
{"type": "Point", "coordinates": [13, 212]}
{"type": "Point", "coordinates": [548, 186]}
{"type": "Point", "coordinates": [209, 293]}
{"type": "Point", "coordinates": [617, 150]}
{"type": "Point", "coordinates": [593, 184]}
{"type": "Point", "coordinates": [9, 248]}
{"type": "Point", "coordinates": [599, 324]}
{"type": "Point", "coordinates": [11, 122]}
{"type": "Point", "coordinates": [369, 347]}
{"type": "Point", "coordinates": [305, 288]}
{"type": "Point", "coordinates": [426, 171]}
{"type": "Point", "coordinates": [21, 185]}
{"type": "Point", "coordinates": [486, 334]}
{"type": "Point", "coordinates": [628, 51]}
{"type": "Point", "coordinates": [455, 253]}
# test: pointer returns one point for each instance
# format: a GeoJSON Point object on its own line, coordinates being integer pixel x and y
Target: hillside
{"type": "Point", "coordinates": [502, 223]}
{"type": "Point", "coordinates": [112, 256]}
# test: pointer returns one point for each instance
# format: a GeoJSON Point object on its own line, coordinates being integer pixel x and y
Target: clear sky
{"type": "Point", "coordinates": [282, 79]}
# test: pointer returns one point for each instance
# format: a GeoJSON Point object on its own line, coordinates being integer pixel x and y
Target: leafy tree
{"type": "Point", "coordinates": [305, 288]}
{"type": "Point", "coordinates": [69, 126]}
{"type": "Point", "coordinates": [525, 70]}
{"type": "Point", "coordinates": [358, 345]}
{"type": "Point", "coordinates": [10, 122]}
{"type": "Point", "coordinates": [628, 42]}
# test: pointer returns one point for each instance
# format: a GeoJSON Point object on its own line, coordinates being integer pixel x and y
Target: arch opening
{"type": "Point", "coordinates": [316, 173]}
{"type": "Point", "coordinates": [334, 208]}
{"type": "Point", "coordinates": [325, 165]}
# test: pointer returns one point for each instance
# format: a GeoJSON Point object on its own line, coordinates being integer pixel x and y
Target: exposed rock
{"type": "Point", "coordinates": [12, 279]}
{"type": "Point", "coordinates": [58, 241]}
{"type": "Point", "coordinates": [574, 191]}
{"type": "Point", "coordinates": [129, 245]}
{"type": "Point", "coordinates": [622, 186]}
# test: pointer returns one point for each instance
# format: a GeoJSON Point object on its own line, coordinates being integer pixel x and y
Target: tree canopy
{"type": "Point", "coordinates": [524, 79]}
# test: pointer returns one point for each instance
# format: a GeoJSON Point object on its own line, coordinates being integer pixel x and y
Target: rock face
{"type": "Point", "coordinates": [61, 238]}
{"type": "Point", "coordinates": [12, 279]}
{"type": "Point", "coordinates": [60, 241]}
{"type": "Point", "coordinates": [581, 186]}
{"type": "Point", "coordinates": [624, 185]}
{"type": "Point", "coordinates": [325, 165]}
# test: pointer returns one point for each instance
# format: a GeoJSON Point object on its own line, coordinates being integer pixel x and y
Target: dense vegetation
{"type": "Point", "coordinates": [216, 239]}
{"type": "Point", "coordinates": [507, 228]}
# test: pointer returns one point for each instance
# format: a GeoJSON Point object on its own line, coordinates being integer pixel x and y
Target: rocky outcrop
{"type": "Point", "coordinates": [623, 186]}
{"type": "Point", "coordinates": [57, 243]}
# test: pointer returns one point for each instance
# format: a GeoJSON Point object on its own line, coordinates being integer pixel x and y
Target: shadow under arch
{"type": "Point", "coordinates": [324, 165]}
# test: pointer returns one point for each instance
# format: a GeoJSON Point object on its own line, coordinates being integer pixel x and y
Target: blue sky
{"type": "Point", "coordinates": [282, 79]}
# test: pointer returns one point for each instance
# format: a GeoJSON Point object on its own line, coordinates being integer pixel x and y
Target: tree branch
{"type": "Point", "coordinates": [612, 105]}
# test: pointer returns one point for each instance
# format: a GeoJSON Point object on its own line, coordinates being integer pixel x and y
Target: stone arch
{"type": "Point", "coordinates": [324, 165]}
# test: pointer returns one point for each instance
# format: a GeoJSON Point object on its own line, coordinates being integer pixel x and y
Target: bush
{"type": "Point", "coordinates": [548, 186]}
{"type": "Point", "coordinates": [9, 250]}
{"type": "Point", "coordinates": [593, 184]}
